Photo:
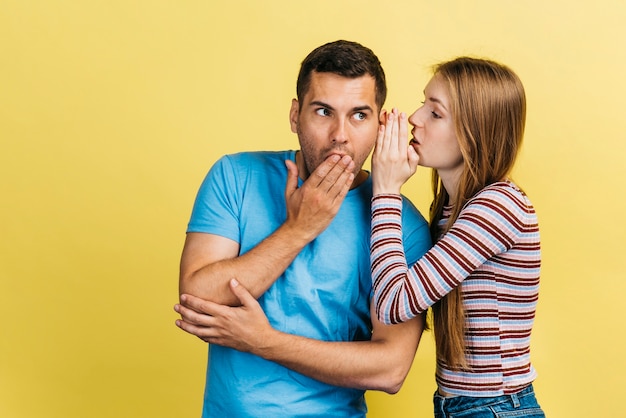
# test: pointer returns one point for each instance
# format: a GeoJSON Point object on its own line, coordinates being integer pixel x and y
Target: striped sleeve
{"type": "Point", "coordinates": [488, 225]}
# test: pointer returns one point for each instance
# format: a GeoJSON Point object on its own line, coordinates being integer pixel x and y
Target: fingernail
{"type": "Point", "coordinates": [234, 282]}
{"type": "Point", "coordinates": [176, 308]}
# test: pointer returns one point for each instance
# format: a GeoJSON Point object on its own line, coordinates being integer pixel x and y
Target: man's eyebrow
{"type": "Point", "coordinates": [327, 106]}
{"type": "Point", "coordinates": [322, 104]}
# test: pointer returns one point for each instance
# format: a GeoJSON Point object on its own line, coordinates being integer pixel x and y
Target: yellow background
{"type": "Point", "coordinates": [112, 111]}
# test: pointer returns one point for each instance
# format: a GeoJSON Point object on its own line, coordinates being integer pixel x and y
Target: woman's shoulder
{"type": "Point", "coordinates": [502, 195]}
{"type": "Point", "coordinates": [506, 189]}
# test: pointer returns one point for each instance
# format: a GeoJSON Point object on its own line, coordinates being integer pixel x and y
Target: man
{"type": "Point", "coordinates": [303, 253]}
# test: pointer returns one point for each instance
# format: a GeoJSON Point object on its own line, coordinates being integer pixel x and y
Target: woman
{"type": "Point", "coordinates": [482, 275]}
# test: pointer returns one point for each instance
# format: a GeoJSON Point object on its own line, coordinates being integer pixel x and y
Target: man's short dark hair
{"type": "Point", "coordinates": [344, 58]}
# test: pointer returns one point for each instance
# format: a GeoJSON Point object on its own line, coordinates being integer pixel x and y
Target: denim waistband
{"type": "Point", "coordinates": [452, 403]}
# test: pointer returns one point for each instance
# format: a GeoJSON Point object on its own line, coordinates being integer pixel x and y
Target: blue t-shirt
{"type": "Point", "coordinates": [324, 294]}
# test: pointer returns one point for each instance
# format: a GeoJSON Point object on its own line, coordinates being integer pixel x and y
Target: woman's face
{"type": "Point", "coordinates": [434, 136]}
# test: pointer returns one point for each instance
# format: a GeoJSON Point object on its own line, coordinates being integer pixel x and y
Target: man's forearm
{"type": "Point", "coordinates": [256, 270]}
{"type": "Point", "coordinates": [207, 269]}
{"type": "Point", "coordinates": [371, 365]}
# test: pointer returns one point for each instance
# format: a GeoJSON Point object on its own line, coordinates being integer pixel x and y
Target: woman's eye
{"type": "Point", "coordinates": [435, 115]}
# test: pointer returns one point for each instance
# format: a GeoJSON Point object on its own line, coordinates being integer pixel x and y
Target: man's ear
{"type": "Point", "coordinates": [293, 115]}
{"type": "Point", "coordinates": [382, 117]}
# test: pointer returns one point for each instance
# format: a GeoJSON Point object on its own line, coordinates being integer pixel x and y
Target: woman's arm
{"type": "Point", "coordinates": [489, 225]}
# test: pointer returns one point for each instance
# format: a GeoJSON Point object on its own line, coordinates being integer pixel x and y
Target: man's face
{"type": "Point", "coordinates": [338, 115]}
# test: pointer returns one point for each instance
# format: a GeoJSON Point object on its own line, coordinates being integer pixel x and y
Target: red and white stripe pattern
{"type": "Point", "coordinates": [493, 252]}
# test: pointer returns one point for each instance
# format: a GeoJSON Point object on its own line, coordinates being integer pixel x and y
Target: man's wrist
{"type": "Point", "coordinates": [266, 348]}
{"type": "Point", "coordinates": [296, 235]}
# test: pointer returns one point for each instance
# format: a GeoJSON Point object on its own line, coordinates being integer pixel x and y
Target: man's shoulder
{"type": "Point", "coordinates": [247, 157]}
{"type": "Point", "coordinates": [410, 212]}
{"type": "Point", "coordinates": [241, 163]}
{"type": "Point", "coordinates": [416, 232]}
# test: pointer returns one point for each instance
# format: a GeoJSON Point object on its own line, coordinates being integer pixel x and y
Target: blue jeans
{"type": "Point", "coordinates": [520, 404]}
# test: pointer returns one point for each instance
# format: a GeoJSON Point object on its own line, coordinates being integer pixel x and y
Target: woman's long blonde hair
{"type": "Point", "coordinates": [488, 106]}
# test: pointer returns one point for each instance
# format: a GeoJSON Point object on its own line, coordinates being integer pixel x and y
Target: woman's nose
{"type": "Point", "coordinates": [415, 119]}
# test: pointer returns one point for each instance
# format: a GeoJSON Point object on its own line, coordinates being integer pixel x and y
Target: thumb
{"type": "Point", "coordinates": [242, 293]}
{"type": "Point", "coordinates": [292, 178]}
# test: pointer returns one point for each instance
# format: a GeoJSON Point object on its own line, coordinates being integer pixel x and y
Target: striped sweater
{"type": "Point", "coordinates": [493, 252]}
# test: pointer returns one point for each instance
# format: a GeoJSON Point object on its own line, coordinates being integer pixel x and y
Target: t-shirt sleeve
{"type": "Point", "coordinates": [415, 232]}
{"type": "Point", "coordinates": [216, 208]}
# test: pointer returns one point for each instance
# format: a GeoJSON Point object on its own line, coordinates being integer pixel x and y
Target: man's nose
{"type": "Point", "coordinates": [339, 131]}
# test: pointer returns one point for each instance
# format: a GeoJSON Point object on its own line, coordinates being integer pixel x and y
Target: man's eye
{"type": "Point", "coordinates": [360, 116]}
{"type": "Point", "coordinates": [322, 111]}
